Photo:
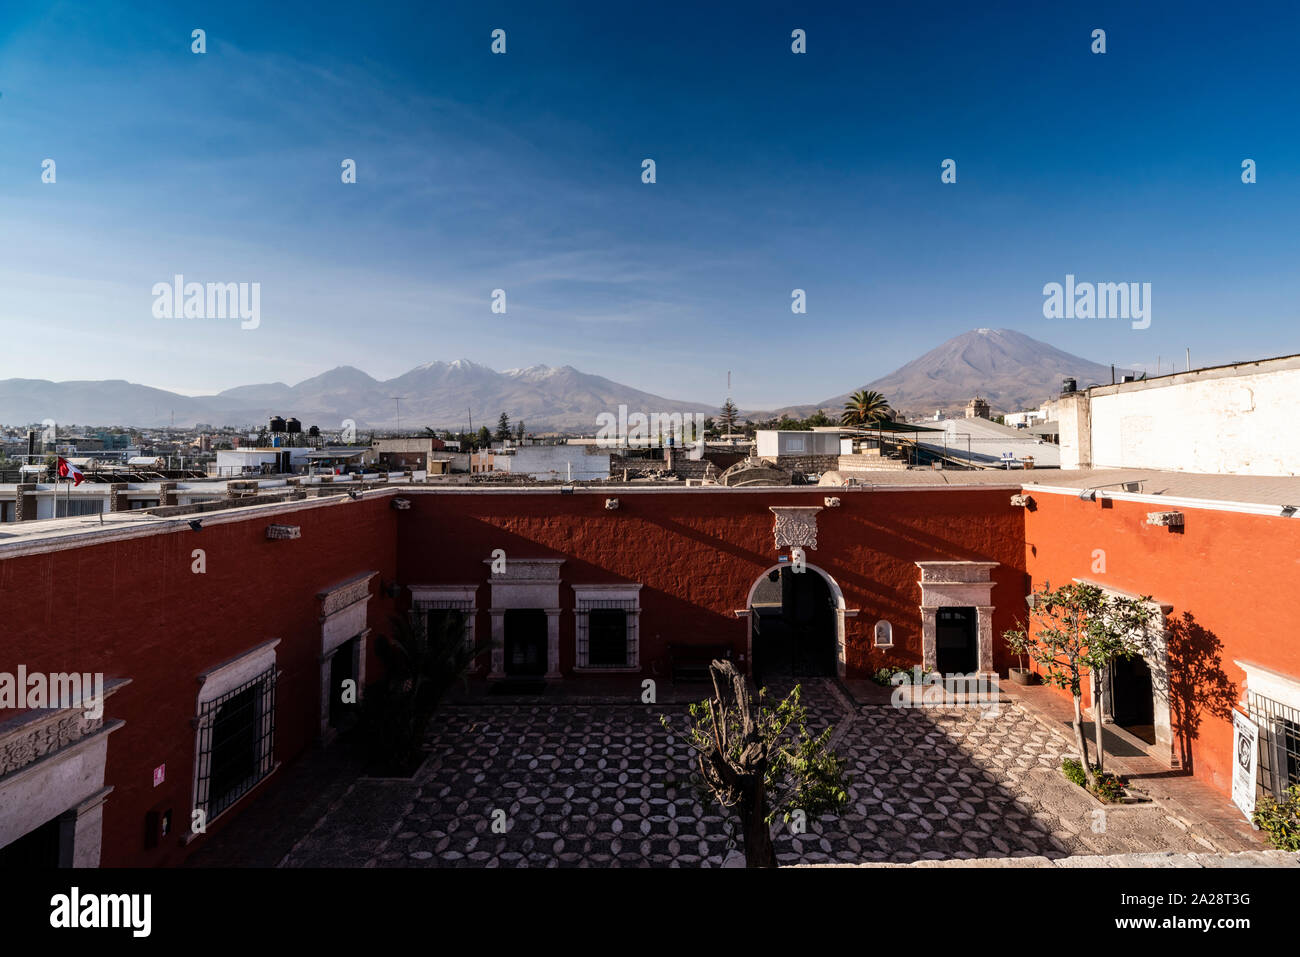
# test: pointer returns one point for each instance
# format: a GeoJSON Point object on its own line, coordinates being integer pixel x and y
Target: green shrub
{"type": "Point", "coordinates": [1110, 787]}
{"type": "Point", "coordinates": [1280, 820]}
{"type": "Point", "coordinates": [1074, 771]}
{"type": "Point", "coordinates": [884, 676]}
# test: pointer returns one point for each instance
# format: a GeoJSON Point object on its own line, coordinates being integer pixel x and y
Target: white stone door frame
{"type": "Point", "coordinates": [1157, 662]}
{"type": "Point", "coordinates": [52, 765]}
{"type": "Point", "coordinates": [525, 583]}
{"type": "Point", "coordinates": [947, 584]}
{"type": "Point", "coordinates": [841, 613]}
{"type": "Point", "coordinates": [344, 616]}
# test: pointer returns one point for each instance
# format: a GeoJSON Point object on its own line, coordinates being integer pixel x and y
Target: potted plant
{"type": "Point", "coordinates": [1018, 639]}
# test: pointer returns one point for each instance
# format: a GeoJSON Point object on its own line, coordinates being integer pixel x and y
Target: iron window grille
{"type": "Point", "coordinates": [236, 743]}
{"type": "Point", "coordinates": [599, 632]}
{"type": "Point", "coordinates": [437, 610]}
{"type": "Point", "coordinates": [1279, 742]}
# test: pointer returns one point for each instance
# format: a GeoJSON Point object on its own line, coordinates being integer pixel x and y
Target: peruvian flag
{"type": "Point", "coordinates": [68, 470]}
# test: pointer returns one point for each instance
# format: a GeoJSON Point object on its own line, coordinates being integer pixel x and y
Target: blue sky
{"type": "Point", "coordinates": [775, 171]}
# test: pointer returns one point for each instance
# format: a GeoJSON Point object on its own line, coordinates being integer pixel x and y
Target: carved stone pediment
{"type": "Point", "coordinates": [338, 597]}
{"type": "Point", "coordinates": [796, 526]}
{"type": "Point", "coordinates": [956, 572]}
{"type": "Point", "coordinates": [34, 734]}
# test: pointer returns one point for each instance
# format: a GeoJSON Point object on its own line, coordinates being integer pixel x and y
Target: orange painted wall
{"type": "Point", "coordinates": [1233, 580]}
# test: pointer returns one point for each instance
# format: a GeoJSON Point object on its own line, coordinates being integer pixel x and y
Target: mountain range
{"type": "Point", "coordinates": [1009, 369]}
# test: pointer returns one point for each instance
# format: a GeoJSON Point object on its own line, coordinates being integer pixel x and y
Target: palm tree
{"type": "Point", "coordinates": [866, 409]}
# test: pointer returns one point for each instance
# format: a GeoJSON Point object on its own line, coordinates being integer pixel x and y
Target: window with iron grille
{"type": "Point", "coordinates": [607, 633]}
{"type": "Point", "coordinates": [1279, 742]}
{"type": "Point", "coordinates": [440, 613]}
{"type": "Point", "coordinates": [236, 743]}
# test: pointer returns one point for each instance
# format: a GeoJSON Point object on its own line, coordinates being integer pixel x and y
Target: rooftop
{"type": "Point", "coordinates": [1263, 495]}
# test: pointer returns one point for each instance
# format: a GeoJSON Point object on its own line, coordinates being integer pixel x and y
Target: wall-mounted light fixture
{"type": "Point", "coordinates": [196, 525]}
{"type": "Point", "coordinates": [611, 504]}
{"type": "Point", "coordinates": [831, 502]}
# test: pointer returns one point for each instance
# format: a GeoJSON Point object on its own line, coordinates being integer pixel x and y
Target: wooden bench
{"type": "Point", "coordinates": [691, 662]}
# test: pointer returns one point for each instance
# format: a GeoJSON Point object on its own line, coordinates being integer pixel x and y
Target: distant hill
{"type": "Point", "coordinates": [1008, 369]}
{"type": "Point", "coordinates": [437, 394]}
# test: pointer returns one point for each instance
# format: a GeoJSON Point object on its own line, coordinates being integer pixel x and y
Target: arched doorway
{"type": "Point", "coordinates": [795, 623]}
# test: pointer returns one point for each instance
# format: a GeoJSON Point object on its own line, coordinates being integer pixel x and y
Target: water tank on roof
{"type": "Point", "coordinates": [1068, 386]}
{"type": "Point", "coordinates": [292, 426]}
{"type": "Point", "coordinates": [277, 424]}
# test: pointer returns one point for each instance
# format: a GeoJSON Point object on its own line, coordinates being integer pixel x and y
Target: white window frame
{"type": "Point", "coordinates": [889, 633]}
{"type": "Point", "coordinates": [427, 598]}
{"type": "Point", "coordinates": [628, 594]}
{"type": "Point", "coordinates": [1279, 688]}
{"type": "Point", "coordinates": [213, 684]}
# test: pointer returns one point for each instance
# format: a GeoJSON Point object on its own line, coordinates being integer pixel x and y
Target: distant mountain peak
{"type": "Point", "coordinates": [1009, 369]}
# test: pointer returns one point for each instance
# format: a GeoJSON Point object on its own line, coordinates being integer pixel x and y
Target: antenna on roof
{"type": "Point", "coordinates": [398, 399]}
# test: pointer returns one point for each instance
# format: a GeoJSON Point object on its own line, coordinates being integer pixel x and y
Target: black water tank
{"type": "Point", "coordinates": [1068, 386]}
{"type": "Point", "coordinates": [277, 424]}
{"type": "Point", "coordinates": [292, 426]}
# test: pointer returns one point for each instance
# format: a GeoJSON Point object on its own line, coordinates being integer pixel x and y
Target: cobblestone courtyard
{"type": "Point", "coordinates": [606, 785]}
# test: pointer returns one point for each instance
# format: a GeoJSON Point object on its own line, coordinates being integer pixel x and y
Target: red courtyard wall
{"type": "Point", "coordinates": [134, 609]}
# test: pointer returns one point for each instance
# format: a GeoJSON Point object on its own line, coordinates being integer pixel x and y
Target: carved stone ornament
{"type": "Point", "coordinates": [44, 737]}
{"type": "Point", "coordinates": [796, 526]}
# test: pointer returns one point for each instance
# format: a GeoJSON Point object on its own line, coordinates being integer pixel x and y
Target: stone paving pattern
{"type": "Point", "coordinates": [604, 785]}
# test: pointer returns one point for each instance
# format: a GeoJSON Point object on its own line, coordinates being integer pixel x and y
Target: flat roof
{"type": "Point", "coordinates": [1264, 495]}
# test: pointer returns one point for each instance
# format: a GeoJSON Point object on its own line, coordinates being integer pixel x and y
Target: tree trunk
{"type": "Point", "coordinates": [1095, 680]}
{"type": "Point", "coordinates": [758, 834]}
{"type": "Point", "coordinates": [1082, 743]}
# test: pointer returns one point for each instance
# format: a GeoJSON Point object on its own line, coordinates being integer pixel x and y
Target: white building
{"type": "Point", "coordinates": [983, 443]}
{"type": "Point", "coordinates": [775, 444]}
{"type": "Point", "coordinates": [1230, 420]}
{"type": "Point", "coordinates": [577, 463]}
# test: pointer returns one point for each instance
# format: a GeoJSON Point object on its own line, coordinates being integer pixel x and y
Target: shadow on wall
{"type": "Point", "coordinates": [1198, 685]}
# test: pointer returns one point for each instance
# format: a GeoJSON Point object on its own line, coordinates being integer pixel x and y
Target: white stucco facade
{"type": "Point", "coordinates": [1232, 420]}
